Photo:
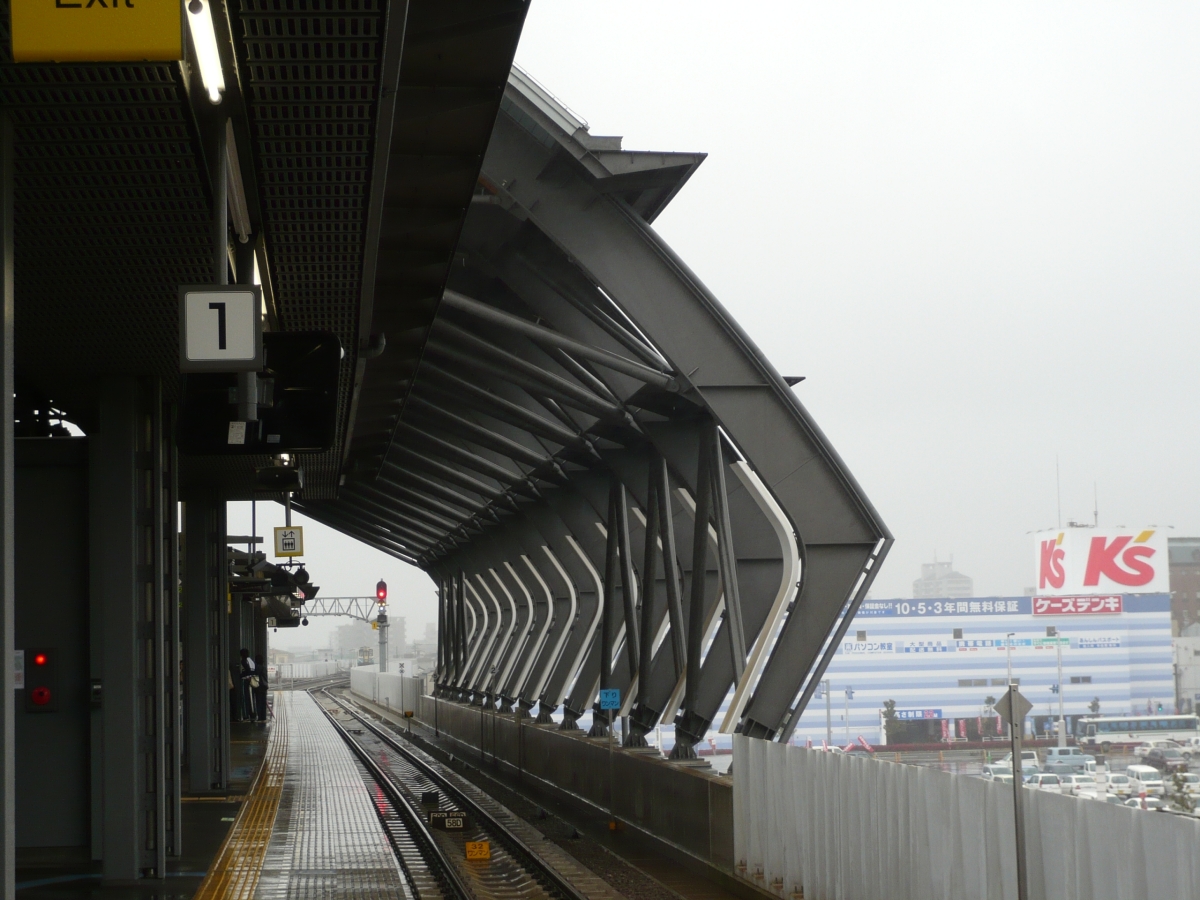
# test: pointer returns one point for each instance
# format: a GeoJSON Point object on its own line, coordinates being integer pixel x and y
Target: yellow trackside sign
{"type": "Point", "coordinates": [96, 30]}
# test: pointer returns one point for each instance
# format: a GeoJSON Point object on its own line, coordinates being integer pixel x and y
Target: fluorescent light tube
{"type": "Point", "coordinates": [204, 39]}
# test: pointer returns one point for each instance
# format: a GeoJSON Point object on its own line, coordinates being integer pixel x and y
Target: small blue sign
{"type": "Point", "coordinates": [610, 699]}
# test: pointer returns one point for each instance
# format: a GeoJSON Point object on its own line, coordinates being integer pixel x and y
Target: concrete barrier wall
{"type": "Point", "coordinates": [832, 825]}
{"type": "Point", "coordinates": [688, 809]}
{"type": "Point", "coordinates": [305, 670]}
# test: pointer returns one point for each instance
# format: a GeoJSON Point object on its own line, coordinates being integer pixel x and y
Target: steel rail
{"type": "Point", "coordinates": [446, 871]}
{"type": "Point", "coordinates": [515, 846]}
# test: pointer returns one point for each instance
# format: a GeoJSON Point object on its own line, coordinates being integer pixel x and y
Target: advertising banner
{"type": "Point", "coordinates": [1077, 606]}
{"type": "Point", "coordinates": [1078, 562]}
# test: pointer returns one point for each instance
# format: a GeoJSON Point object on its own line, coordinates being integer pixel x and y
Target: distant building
{"type": "Point", "coordinates": [397, 636]}
{"type": "Point", "coordinates": [1185, 619]}
{"type": "Point", "coordinates": [941, 660]}
{"type": "Point", "coordinates": [1185, 582]}
{"type": "Point", "coordinates": [939, 580]}
{"type": "Point", "coordinates": [349, 639]}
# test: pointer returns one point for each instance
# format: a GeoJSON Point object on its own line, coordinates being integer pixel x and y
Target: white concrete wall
{"type": "Point", "coordinates": [389, 689]}
{"type": "Point", "coordinates": [305, 670]}
{"type": "Point", "coordinates": [839, 826]}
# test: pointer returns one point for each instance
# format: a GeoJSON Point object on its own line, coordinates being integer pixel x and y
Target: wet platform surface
{"type": "Point", "coordinates": [327, 840]}
{"type": "Point", "coordinates": [309, 828]}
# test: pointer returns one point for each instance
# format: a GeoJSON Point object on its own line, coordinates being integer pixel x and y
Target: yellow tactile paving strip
{"type": "Point", "coordinates": [235, 871]}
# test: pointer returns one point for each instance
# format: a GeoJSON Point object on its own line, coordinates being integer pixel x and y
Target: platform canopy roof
{"type": "Point", "coordinates": [538, 400]}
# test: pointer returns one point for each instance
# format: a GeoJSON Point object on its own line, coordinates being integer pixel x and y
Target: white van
{"type": "Point", "coordinates": [1145, 779]}
{"type": "Point", "coordinates": [1066, 760]}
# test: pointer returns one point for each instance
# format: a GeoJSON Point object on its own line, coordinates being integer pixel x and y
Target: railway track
{"type": "Point", "coordinates": [434, 861]}
{"type": "Point", "coordinates": [311, 684]}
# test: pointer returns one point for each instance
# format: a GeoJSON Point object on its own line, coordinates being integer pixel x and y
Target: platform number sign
{"type": "Point", "coordinates": [220, 328]}
{"type": "Point", "coordinates": [610, 698]}
{"type": "Point", "coordinates": [289, 541]}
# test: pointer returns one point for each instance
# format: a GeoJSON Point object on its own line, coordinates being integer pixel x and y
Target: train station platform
{"type": "Point", "coordinates": [309, 827]}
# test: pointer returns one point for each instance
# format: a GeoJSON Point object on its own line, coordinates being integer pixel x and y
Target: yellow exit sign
{"type": "Point", "coordinates": [96, 30]}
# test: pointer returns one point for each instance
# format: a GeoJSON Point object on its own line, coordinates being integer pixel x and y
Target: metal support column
{"type": "Point", "coordinates": [205, 652]}
{"type": "Point", "coordinates": [602, 721]}
{"type": "Point", "coordinates": [440, 672]}
{"type": "Point", "coordinates": [169, 604]}
{"type": "Point", "coordinates": [688, 728]}
{"type": "Point", "coordinates": [460, 624]}
{"type": "Point", "coordinates": [671, 574]}
{"type": "Point", "coordinates": [725, 555]}
{"type": "Point", "coordinates": [233, 658]}
{"type": "Point", "coordinates": [127, 540]}
{"type": "Point", "coordinates": [261, 641]}
{"type": "Point", "coordinates": [643, 717]}
{"type": "Point", "coordinates": [381, 620]}
{"type": "Point", "coordinates": [8, 798]}
{"type": "Point", "coordinates": [628, 582]}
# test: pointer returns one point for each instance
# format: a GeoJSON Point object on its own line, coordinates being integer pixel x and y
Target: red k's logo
{"type": "Point", "coordinates": [1119, 562]}
{"type": "Point", "coordinates": [1050, 571]}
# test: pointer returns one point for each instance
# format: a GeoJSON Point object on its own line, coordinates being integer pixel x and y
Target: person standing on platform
{"type": "Point", "coordinates": [247, 673]}
{"type": "Point", "coordinates": [260, 691]}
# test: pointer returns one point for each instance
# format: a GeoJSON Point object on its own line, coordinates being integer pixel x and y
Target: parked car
{"type": "Point", "coordinates": [1190, 747]}
{"type": "Point", "coordinates": [1142, 749]}
{"type": "Point", "coordinates": [994, 769]}
{"type": "Point", "coordinates": [1045, 781]}
{"type": "Point", "coordinates": [1191, 782]}
{"type": "Point", "coordinates": [1101, 795]}
{"type": "Point", "coordinates": [1115, 783]}
{"type": "Point", "coordinates": [1166, 761]}
{"type": "Point", "coordinates": [1144, 779]}
{"type": "Point", "coordinates": [1064, 760]}
{"type": "Point", "coordinates": [1152, 803]}
{"type": "Point", "coordinates": [1075, 784]}
{"type": "Point", "coordinates": [1029, 762]}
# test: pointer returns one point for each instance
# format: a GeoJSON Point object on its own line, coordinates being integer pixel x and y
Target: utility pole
{"type": "Point", "coordinates": [828, 713]}
{"type": "Point", "coordinates": [1013, 708]}
{"type": "Point", "coordinates": [1008, 653]}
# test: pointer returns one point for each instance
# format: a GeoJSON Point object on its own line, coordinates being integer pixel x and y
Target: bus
{"type": "Point", "coordinates": [1103, 732]}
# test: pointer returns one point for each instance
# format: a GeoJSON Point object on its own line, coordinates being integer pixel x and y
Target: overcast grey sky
{"type": "Point", "coordinates": [973, 228]}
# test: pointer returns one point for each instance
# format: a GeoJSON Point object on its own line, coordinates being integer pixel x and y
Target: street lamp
{"type": "Point", "coordinates": [1052, 631]}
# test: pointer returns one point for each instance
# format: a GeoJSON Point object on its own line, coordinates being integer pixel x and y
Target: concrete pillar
{"type": "Point", "coordinates": [8, 797]}
{"type": "Point", "coordinates": [205, 643]}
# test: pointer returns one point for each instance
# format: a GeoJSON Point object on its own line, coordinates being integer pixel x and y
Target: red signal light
{"type": "Point", "coordinates": [381, 591]}
{"type": "Point", "coordinates": [39, 659]}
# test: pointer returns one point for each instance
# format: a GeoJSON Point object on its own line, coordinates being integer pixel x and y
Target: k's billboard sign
{"type": "Point", "coordinates": [1101, 561]}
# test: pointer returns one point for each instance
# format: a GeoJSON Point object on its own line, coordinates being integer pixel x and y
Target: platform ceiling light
{"type": "Point", "coordinates": [204, 39]}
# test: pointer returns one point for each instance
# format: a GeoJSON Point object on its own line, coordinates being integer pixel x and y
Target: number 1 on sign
{"type": "Point", "coordinates": [220, 308]}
